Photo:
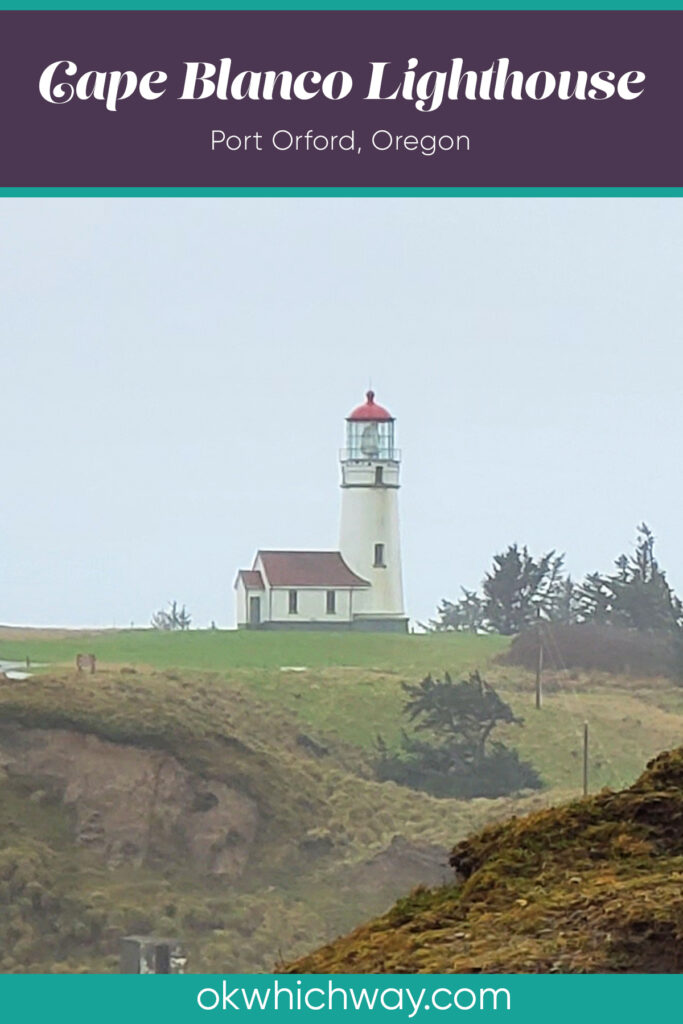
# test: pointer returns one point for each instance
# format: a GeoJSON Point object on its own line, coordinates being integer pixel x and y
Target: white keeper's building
{"type": "Point", "coordinates": [360, 585]}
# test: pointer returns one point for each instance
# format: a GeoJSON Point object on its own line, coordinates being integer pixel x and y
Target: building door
{"type": "Point", "coordinates": [254, 611]}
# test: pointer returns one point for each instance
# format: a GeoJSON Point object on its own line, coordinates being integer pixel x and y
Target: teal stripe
{"type": "Point", "coordinates": [373, 193]}
{"type": "Point", "coordinates": [341, 5]}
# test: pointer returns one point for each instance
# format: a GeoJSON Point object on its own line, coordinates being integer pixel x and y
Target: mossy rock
{"type": "Point", "coordinates": [590, 887]}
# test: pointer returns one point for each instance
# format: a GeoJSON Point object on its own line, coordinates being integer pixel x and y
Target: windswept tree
{"type": "Point", "coordinates": [563, 606]}
{"type": "Point", "coordinates": [637, 595]}
{"type": "Point", "coordinates": [449, 750]}
{"type": "Point", "coordinates": [172, 618]}
{"type": "Point", "coordinates": [515, 592]}
{"type": "Point", "coordinates": [463, 616]}
{"type": "Point", "coordinates": [594, 599]}
{"type": "Point", "coordinates": [520, 588]}
{"type": "Point", "coordinates": [460, 716]}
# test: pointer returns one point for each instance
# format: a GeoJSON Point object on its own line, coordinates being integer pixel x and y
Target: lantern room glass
{"type": "Point", "coordinates": [370, 440]}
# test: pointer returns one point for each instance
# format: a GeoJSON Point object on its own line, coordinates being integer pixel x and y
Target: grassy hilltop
{"type": "Point", "coordinates": [348, 687]}
{"type": "Point", "coordinates": [220, 650]}
{"type": "Point", "coordinates": [349, 684]}
{"type": "Point", "coordinates": [333, 847]}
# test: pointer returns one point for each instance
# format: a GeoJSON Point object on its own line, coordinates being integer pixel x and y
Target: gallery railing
{"type": "Point", "coordinates": [383, 453]}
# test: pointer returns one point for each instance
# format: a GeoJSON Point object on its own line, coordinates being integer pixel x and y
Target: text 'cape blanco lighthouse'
{"type": "Point", "coordinates": [360, 586]}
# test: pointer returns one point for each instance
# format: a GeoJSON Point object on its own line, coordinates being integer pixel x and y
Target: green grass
{"type": "Point", "coordinates": [624, 732]}
{"type": "Point", "coordinates": [222, 650]}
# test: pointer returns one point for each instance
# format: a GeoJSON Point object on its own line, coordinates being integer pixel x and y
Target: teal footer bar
{"type": "Point", "coordinates": [171, 999]}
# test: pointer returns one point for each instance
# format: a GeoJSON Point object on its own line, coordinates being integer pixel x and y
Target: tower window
{"type": "Point", "coordinates": [293, 602]}
{"type": "Point", "coordinates": [379, 474]}
{"type": "Point", "coordinates": [331, 602]}
{"type": "Point", "coordinates": [379, 562]}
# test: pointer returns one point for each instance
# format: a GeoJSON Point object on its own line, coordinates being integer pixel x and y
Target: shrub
{"type": "Point", "coordinates": [500, 773]}
{"type": "Point", "coordinates": [601, 648]}
{"type": "Point", "coordinates": [459, 759]}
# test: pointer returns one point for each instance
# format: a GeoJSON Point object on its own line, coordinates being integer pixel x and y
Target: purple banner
{"type": "Point", "coordinates": [344, 98]}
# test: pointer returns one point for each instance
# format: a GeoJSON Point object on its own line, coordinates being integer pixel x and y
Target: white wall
{"type": "Point", "coordinates": [242, 595]}
{"type": "Point", "coordinates": [311, 603]}
{"type": "Point", "coordinates": [240, 602]}
{"type": "Point", "coordinates": [369, 516]}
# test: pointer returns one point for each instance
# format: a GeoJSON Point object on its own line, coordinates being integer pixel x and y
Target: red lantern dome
{"type": "Point", "coordinates": [370, 411]}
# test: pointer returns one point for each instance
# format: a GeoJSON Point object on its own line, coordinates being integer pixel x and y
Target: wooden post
{"type": "Point", "coordinates": [539, 672]}
{"type": "Point", "coordinates": [585, 758]}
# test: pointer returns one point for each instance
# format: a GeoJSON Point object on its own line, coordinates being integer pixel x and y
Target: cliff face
{"type": "Point", "coordinates": [593, 887]}
{"type": "Point", "coordinates": [130, 804]}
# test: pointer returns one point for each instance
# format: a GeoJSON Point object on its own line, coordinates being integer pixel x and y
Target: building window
{"type": "Point", "coordinates": [331, 602]}
{"type": "Point", "coordinates": [379, 474]}
{"type": "Point", "coordinates": [293, 602]}
{"type": "Point", "coordinates": [379, 562]}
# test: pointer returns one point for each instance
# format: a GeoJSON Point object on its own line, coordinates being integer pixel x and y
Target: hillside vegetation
{"type": "Point", "coordinates": [592, 887]}
{"type": "Point", "coordinates": [590, 647]}
{"type": "Point", "coordinates": [331, 847]}
{"type": "Point", "coordinates": [318, 862]}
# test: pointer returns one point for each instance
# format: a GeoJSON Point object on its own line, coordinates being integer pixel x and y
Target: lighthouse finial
{"type": "Point", "coordinates": [370, 395]}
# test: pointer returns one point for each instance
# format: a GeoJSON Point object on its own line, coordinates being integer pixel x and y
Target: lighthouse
{"type": "Point", "coordinates": [359, 586]}
{"type": "Point", "coordinates": [370, 540]}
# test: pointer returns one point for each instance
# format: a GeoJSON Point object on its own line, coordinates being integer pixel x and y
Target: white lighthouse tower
{"type": "Point", "coordinates": [370, 541]}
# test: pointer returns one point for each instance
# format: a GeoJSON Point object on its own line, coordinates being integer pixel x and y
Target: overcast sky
{"type": "Point", "coordinates": [176, 374]}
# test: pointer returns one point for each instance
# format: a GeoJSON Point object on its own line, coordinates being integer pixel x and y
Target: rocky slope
{"type": "Point", "coordinates": [129, 804]}
{"type": "Point", "coordinates": [594, 886]}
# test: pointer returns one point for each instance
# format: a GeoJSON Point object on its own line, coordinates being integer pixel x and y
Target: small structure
{"type": "Point", "coordinates": [86, 663]}
{"type": "Point", "coordinates": [148, 954]}
{"type": "Point", "coordinates": [359, 586]}
{"type": "Point", "coordinates": [297, 589]}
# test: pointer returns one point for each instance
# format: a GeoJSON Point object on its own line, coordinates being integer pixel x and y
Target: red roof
{"type": "Point", "coordinates": [370, 410]}
{"type": "Point", "coordinates": [252, 579]}
{"type": "Point", "coordinates": [308, 569]}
